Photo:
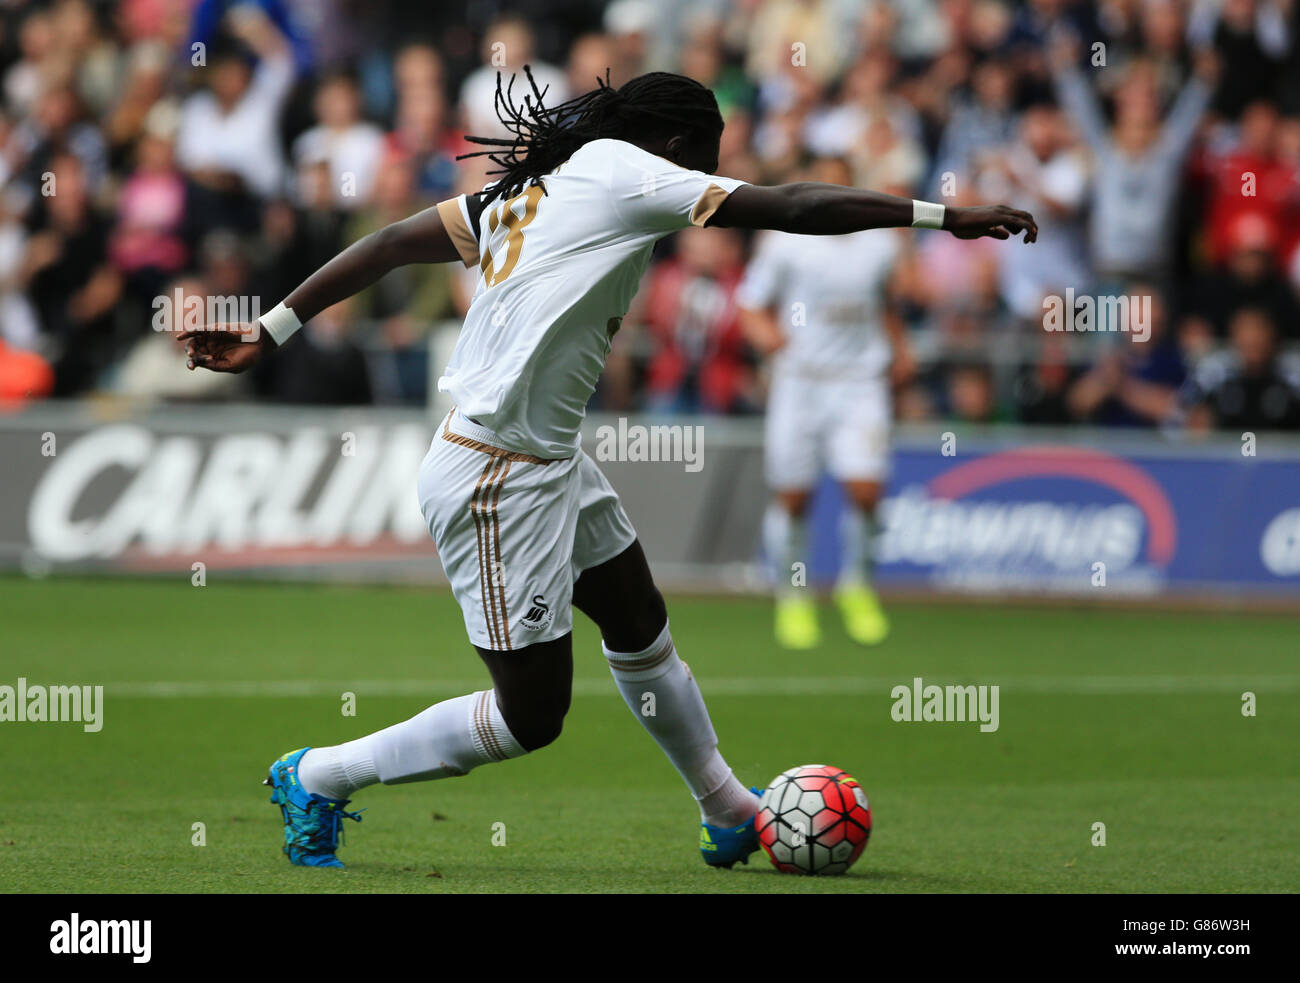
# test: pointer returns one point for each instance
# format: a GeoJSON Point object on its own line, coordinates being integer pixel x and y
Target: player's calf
{"type": "Point", "coordinates": [533, 687]}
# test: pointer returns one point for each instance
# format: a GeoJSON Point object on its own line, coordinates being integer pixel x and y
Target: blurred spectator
{"type": "Point", "coordinates": [866, 96]}
{"type": "Point", "coordinates": [629, 24]}
{"type": "Point", "coordinates": [947, 273]}
{"type": "Point", "coordinates": [23, 80]}
{"type": "Point", "coordinates": [1249, 178]}
{"type": "Point", "coordinates": [350, 146]}
{"type": "Point", "coordinates": [968, 393]}
{"type": "Point", "coordinates": [819, 29]}
{"type": "Point", "coordinates": [1153, 32]}
{"type": "Point", "coordinates": [1138, 162]}
{"type": "Point", "coordinates": [700, 361]}
{"type": "Point", "coordinates": [886, 159]}
{"type": "Point", "coordinates": [1136, 381]}
{"type": "Point", "coordinates": [69, 279]}
{"type": "Point", "coordinates": [58, 126]}
{"type": "Point", "coordinates": [409, 300]}
{"type": "Point", "coordinates": [20, 326]}
{"type": "Point", "coordinates": [225, 266]}
{"type": "Point", "coordinates": [980, 122]}
{"type": "Point", "coordinates": [1251, 37]}
{"type": "Point", "coordinates": [1250, 277]}
{"type": "Point", "coordinates": [302, 237]}
{"type": "Point", "coordinates": [1041, 173]}
{"type": "Point", "coordinates": [97, 71]}
{"type": "Point", "coordinates": [229, 143]}
{"type": "Point", "coordinates": [1287, 148]}
{"type": "Point", "coordinates": [507, 48]}
{"type": "Point", "coordinates": [143, 102]}
{"type": "Point", "coordinates": [589, 58]}
{"type": "Point", "coordinates": [147, 246]}
{"type": "Point", "coordinates": [1247, 387]}
{"type": "Point", "coordinates": [417, 70]}
{"type": "Point", "coordinates": [420, 133]}
{"type": "Point", "coordinates": [1040, 390]}
{"type": "Point", "coordinates": [327, 366]}
{"type": "Point", "coordinates": [704, 59]}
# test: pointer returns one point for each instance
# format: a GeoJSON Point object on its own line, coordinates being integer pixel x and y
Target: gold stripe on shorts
{"type": "Point", "coordinates": [499, 582]}
{"type": "Point", "coordinates": [487, 528]}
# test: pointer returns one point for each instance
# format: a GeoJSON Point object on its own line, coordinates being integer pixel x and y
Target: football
{"type": "Point", "coordinates": [813, 819]}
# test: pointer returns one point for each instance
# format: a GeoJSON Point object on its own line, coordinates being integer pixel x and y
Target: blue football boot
{"type": "Point", "coordinates": [723, 847]}
{"type": "Point", "coordinates": [313, 824]}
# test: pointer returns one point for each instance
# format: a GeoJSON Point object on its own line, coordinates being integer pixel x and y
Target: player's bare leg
{"type": "Point", "coordinates": [621, 598]}
{"type": "Point", "coordinates": [785, 539]}
{"type": "Point", "coordinates": [855, 594]}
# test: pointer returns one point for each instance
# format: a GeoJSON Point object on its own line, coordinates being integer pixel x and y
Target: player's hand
{"type": "Point", "coordinates": [234, 348]}
{"type": "Point", "coordinates": [993, 221]}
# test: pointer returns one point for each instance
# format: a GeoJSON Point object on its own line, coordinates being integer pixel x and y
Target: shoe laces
{"type": "Point", "coordinates": [318, 827]}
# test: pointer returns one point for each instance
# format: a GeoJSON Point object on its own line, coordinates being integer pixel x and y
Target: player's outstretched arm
{"type": "Point", "coordinates": [810, 208]}
{"type": "Point", "coordinates": [422, 238]}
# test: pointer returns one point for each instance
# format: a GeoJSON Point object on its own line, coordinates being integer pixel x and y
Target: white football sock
{"type": "Point", "coordinates": [857, 545]}
{"type": "Point", "coordinates": [784, 537]}
{"type": "Point", "coordinates": [449, 738]}
{"type": "Point", "coordinates": [659, 689]}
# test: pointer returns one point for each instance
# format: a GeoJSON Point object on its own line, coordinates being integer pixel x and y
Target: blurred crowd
{"type": "Point", "coordinates": [158, 153]}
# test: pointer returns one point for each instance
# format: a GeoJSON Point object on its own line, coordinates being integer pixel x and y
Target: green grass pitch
{"type": "Point", "coordinates": [1129, 718]}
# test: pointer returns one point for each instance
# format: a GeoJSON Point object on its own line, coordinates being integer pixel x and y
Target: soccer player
{"type": "Point", "coordinates": [524, 522]}
{"type": "Point", "coordinates": [817, 305]}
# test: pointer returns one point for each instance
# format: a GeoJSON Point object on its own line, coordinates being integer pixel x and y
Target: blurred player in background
{"type": "Point", "coordinates": [818, 306]}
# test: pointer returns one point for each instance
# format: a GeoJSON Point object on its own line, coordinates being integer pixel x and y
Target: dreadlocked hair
{"type": "Point", "coordinates": [649, 106]}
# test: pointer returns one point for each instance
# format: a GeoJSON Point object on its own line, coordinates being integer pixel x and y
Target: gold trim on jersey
{"type": "Point", "coordinates": [708, 203]}
{"type": "Point", "coordinates": [462, 236]}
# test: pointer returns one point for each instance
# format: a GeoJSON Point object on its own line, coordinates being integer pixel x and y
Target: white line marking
{"type": "Point", "coordinates": [723, 686]}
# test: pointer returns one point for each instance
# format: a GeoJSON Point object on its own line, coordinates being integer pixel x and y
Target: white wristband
{"type": "Point", "coordinates": [927, 215]}
{"type": "Point", "coordinates": [280, 322]}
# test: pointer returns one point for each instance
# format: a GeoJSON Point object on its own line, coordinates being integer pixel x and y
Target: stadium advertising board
{"type": "Point", "coordinates": [332, 493]}
{"type": "Point", "coordinates": [1054, 518]}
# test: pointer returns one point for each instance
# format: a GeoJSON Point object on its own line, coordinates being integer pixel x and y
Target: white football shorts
{"type": "Point", "coordinates": [514, 531]}
{"type": "Point", "coordinates": [839, 425]}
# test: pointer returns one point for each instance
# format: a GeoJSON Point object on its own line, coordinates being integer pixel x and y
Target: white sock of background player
{"type": "Point", "coordinates": [659, 689]}
{"type": "Point", "coordinates": [447, 739]}
{"type": "Point", "coordinates": [857, 545]}
{"type": "Point", "coordinates": [784, 538]}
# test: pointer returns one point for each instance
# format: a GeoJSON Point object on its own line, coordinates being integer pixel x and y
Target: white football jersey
{"type": "Point", "coordinates": [828, 294]}
{"type": "Point", "coordinates": [557, 271]}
